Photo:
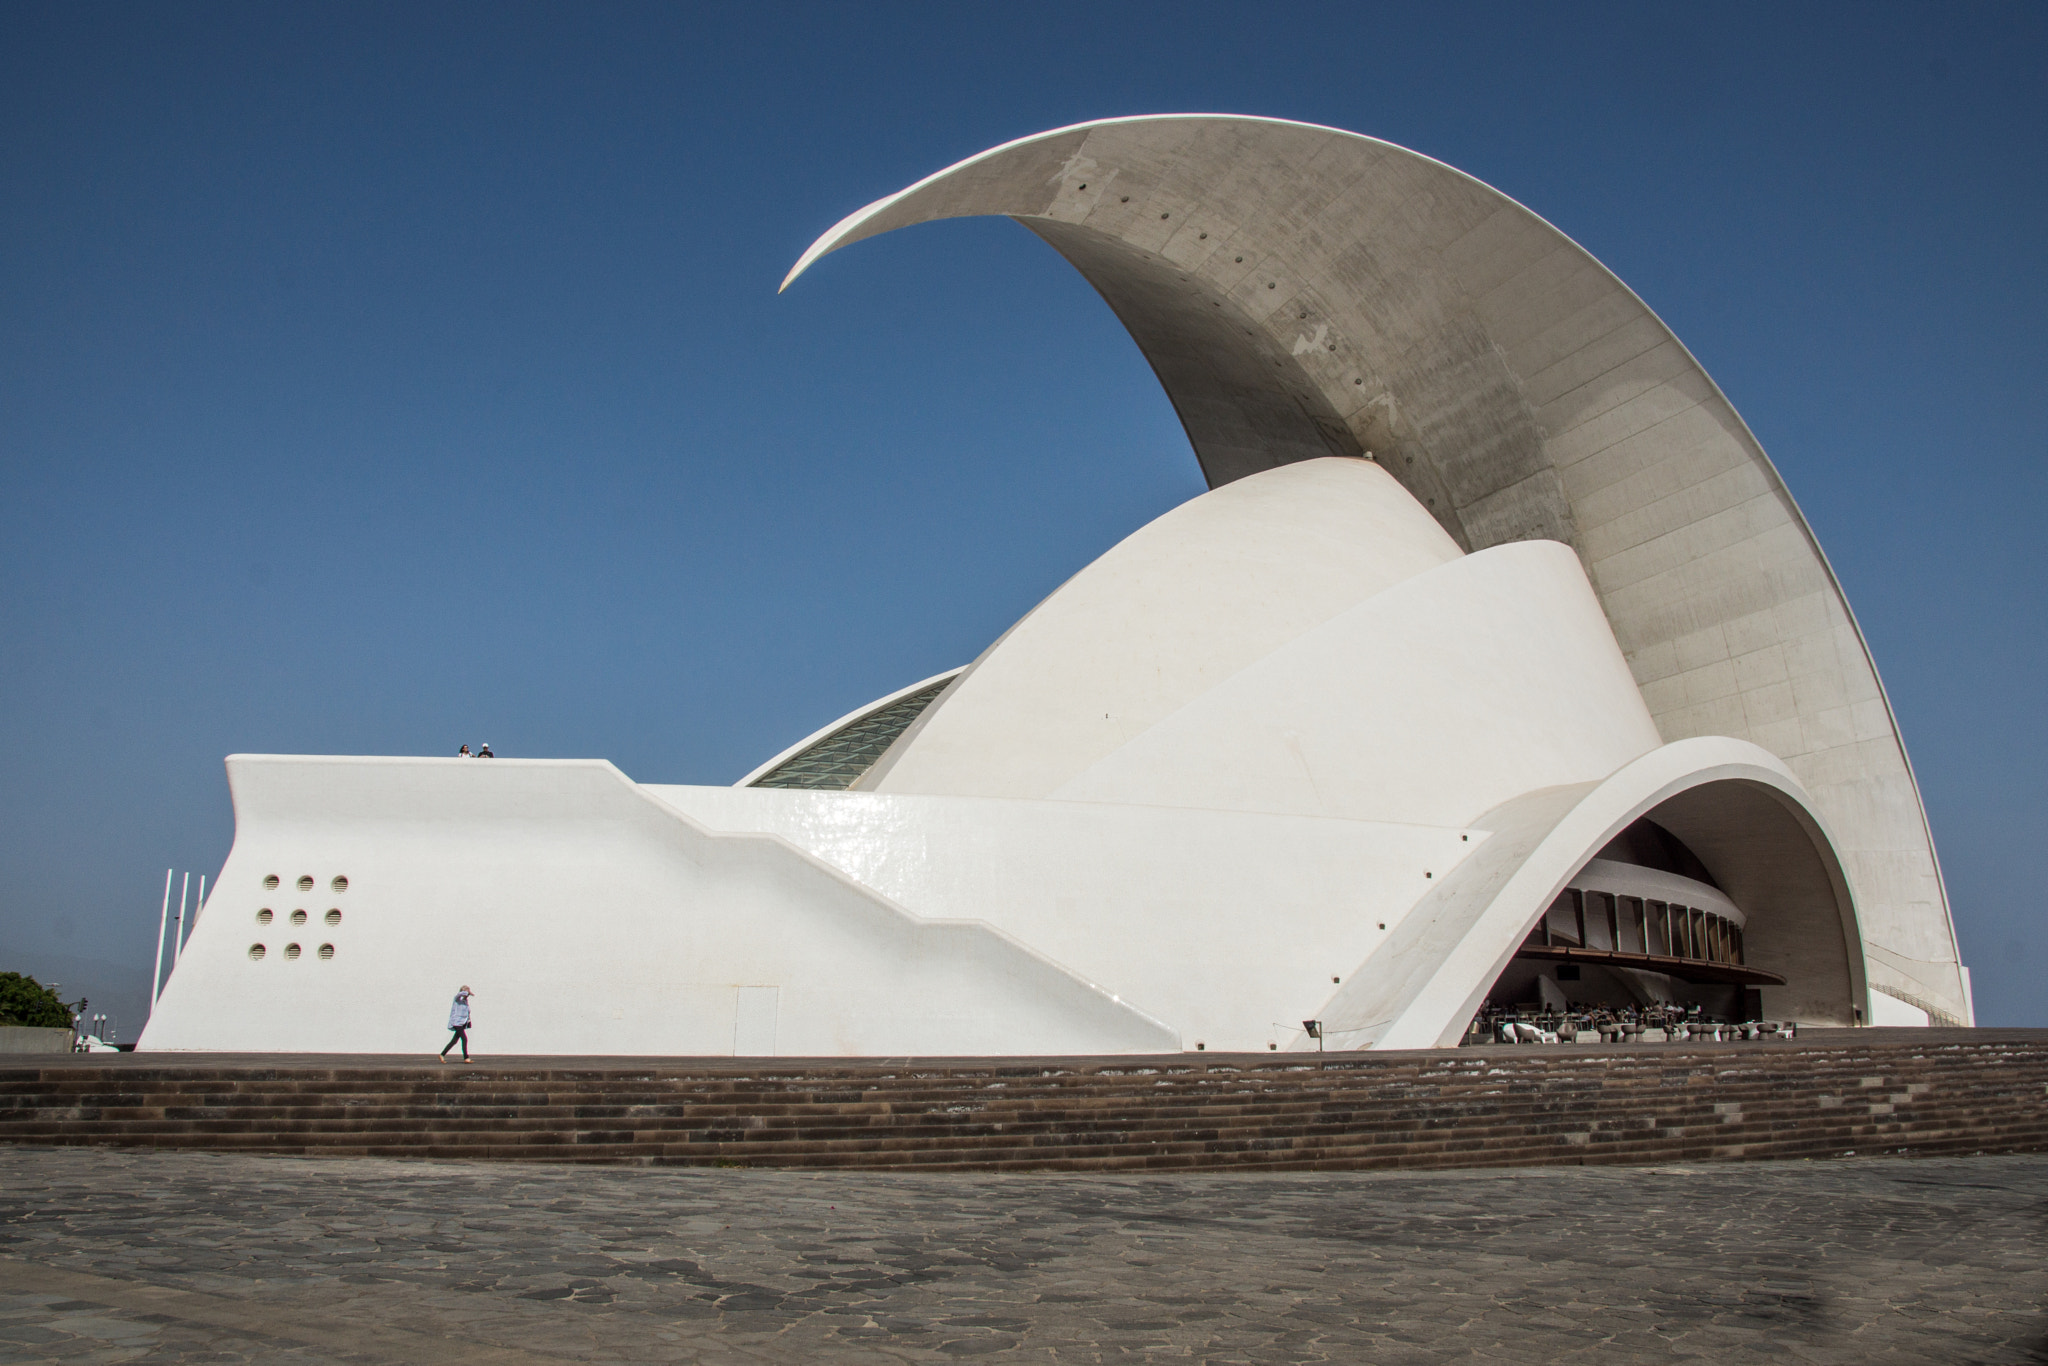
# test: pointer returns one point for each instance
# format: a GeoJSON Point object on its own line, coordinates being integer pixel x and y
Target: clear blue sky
{"type": "Point", "coordinates": [379, 378]}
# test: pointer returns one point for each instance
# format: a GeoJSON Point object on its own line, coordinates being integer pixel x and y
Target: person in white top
{"type": "Point", "coordinates": [458, 1025]}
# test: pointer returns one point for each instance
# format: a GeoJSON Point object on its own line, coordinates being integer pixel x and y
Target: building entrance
{"type": "Point", "coordinates": [1641, 938]}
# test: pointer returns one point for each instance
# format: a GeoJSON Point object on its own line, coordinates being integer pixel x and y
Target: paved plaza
{"type": "Point", "coordinates": [113, 1255]}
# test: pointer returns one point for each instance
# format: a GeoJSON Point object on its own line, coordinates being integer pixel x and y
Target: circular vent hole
{"type": "Point", "coordinates": [291, 950]}
{"type": "Point", "coordinates": [333, 917]}
{"type": "Point", "coordinates": [340, 884]}
{"type": "Point", "coordinates": [298, 917]}
{"type": "Point", "coordinates": [256, 952]}
{"type": "Point", "coordinates": [306, 883]}
{"type": "Point", "coordinates": [265, 916]}
{"type": "Point", "coordinates": [270, 883]}
{"type": "Point", "coordinates": [326, 951]}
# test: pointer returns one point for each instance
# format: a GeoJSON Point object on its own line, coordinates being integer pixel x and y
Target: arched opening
{"type": "Point", "coordinates": [1721, 904]}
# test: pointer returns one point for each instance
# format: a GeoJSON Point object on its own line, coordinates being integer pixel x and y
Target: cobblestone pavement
{"type": "Point", "coordinates": [173, 1257]}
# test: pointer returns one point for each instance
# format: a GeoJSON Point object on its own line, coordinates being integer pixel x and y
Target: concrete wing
{"type": "Point", "coordinates": [1302, 292]}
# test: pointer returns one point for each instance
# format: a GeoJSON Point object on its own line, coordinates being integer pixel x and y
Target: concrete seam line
{"type": "Point", "coordinates": [315, 1331]}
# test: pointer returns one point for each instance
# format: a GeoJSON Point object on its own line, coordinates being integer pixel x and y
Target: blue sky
{"type": "Point", "coordinates": [375, 379]}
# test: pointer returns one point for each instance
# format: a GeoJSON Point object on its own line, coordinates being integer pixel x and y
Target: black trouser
{"type": "Point", "coordinates": [459, 1032]}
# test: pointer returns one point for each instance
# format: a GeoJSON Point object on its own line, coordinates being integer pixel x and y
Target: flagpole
{"type": "Point", "coordinates": [162, 923]}
{"type": "Point", "coordinates": [178, 926]}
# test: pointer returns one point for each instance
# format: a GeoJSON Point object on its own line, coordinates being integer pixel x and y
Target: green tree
{"type": "Point", "coordinates": [25, 1001]}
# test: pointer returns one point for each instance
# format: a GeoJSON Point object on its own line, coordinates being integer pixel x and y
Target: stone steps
{"type": "Point", "coordinates": [596, 1102]}
{"type": "Point", "coordinates": [1867, 1091]}
{"type": "Point", "coordinates": [1020, 1119]}
{"type": "Point", "coordinates": [1350, 1109]}
{"type": "Point", "coordinates": [1140, 1139]}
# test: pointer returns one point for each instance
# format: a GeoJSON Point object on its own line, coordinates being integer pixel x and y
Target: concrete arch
{"type": "Point", "coordinates": [1762, 838]}
{"type": "Point", "coordinates": [1302, 291]}
{"type": "Point", "coordinates": [1770, 854]}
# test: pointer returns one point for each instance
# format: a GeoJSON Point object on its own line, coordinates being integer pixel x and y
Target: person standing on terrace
{"type": "Point", "coordinates": [458, 1025]}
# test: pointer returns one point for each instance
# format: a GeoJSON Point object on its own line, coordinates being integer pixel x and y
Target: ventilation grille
{"type": "Point", "coordinates": [837, 762]}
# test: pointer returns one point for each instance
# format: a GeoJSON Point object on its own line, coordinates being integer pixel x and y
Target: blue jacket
{"type": "Point", "coordinates": [458, 1014]}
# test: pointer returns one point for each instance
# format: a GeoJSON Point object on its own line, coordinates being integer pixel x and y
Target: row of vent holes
{"type": "Point", "coordinates": [266, 915]}
{"type": "Point", "coordinates": [270, 883]}
{"type": "Point", "coordinates": [256, 952]}
{"type": "Point", "coordinates": [1269, 285]}
{"type": "Point", "coordinates": [1127, 199]}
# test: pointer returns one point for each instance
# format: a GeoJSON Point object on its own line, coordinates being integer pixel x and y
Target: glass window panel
{"type": "Point", "coordinates": [838, 761]}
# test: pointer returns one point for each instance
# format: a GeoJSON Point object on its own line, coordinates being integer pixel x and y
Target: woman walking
{"type": "Point", "coordinates": [458, 1024]}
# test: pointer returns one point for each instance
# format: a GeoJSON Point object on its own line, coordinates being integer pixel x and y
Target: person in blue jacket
{"type": "Point", "coordinates": [458, 1024]}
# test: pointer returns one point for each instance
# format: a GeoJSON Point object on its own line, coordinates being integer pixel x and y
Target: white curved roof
{"type": "Point", "coordinates": [1302, 291]}
{"type": "Point", "coordinates": [1162, 619]}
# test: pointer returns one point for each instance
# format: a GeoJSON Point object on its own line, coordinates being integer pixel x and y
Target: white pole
{"type": "Point", "coordinates": [198, 905]}
{"type": "Point", "coordinates": [163, 922]}
{"type": "Point", "coordinates": [178, 925]}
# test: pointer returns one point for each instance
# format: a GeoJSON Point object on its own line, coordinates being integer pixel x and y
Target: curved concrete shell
{"type": "Point", "coordinates": [1304, 292]}
{"type": "Point", "coordinates": [1497, 658]}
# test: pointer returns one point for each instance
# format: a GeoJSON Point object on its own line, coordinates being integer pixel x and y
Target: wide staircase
{"type": "Point", "coordinates": [1864, 1092]}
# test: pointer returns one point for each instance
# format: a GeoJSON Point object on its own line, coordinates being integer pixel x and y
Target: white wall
{"type": "Point", "coordinates": [1889, 1010]}
{"type": "Point", "coordinates": [1229, 926]}
{"type": "Point", "coordinates": [588, 918]}
{"type": "Point", "coordinates": [596, 917]}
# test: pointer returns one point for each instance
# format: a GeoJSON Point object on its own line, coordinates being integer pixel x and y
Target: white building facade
{"type": "Point", "coordinates": [1497, 647]}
